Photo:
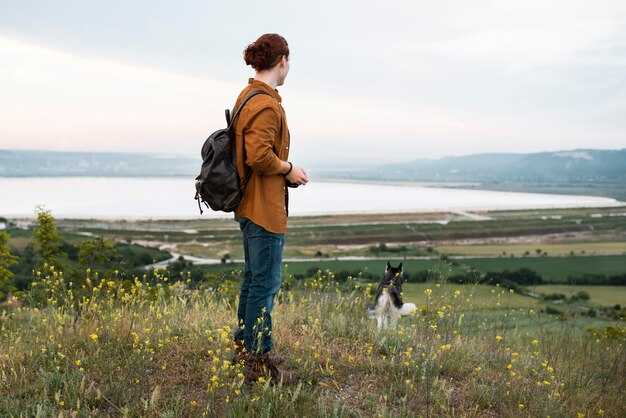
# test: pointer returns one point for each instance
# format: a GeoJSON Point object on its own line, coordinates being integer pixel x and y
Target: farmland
{"type": "Point", "coordinates": [115, 337]}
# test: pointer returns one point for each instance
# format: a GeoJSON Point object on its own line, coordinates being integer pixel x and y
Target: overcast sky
{"type": "Point", "coordinates": [370, 81]}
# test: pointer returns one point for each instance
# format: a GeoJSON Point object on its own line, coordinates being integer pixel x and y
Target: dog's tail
{"type": "Point", "coordinates": [407, 308]}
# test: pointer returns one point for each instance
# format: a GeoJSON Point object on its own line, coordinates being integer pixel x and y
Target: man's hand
{"type": "Point", "coordinates": [298, 176]}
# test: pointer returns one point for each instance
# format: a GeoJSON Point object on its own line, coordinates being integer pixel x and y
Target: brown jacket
{"type": "Point", "coordinates": [262, 141]}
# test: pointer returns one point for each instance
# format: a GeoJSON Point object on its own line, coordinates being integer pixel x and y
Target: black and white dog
{"type": "Point", "coordinates": [388, 304]}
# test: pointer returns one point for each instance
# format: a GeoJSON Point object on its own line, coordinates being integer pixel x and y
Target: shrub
{"type": "Point", "coordinates": [582, 295]}
{"type": "Point", "coordinates": [553, 296]}
{"type": "Point", "coordinates": [523, 276]}
{"type": "Point", "coordinates": [550, 310]}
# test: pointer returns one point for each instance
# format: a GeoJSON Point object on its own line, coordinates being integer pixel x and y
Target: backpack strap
{"type": "Point", "coordinates": [230, 120]}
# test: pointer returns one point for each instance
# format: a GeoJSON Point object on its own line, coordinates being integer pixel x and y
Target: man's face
{"type": "Point", "coordinates": [284, 66]}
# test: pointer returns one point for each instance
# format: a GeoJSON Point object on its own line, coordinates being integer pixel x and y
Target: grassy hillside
{"type": "Point", "coordinates": [117, 340]}
{"type": "Point", "coordinates": [151, 348]}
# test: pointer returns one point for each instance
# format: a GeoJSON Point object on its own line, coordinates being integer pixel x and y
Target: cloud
{"type": "Point", "coordinates": [53, 99]}
{"type": "Point", "coordinates": [374, 80]}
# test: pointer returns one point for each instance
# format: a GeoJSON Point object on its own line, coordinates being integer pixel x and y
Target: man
{"type": "Point", "coordinates": [262, 145]}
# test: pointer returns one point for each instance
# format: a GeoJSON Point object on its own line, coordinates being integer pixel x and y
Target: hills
{"type": "Point", "coordinates": [581, 166]}
{"type": "Point", "coordinates": [40, 163]}
{"type": "Point", "coordinates": [581, 171]}
{"type": "Point", "coordinates": [573, 172]}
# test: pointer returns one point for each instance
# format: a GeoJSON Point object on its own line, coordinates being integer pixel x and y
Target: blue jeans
{"type": "Point", "coordinates": [263, 251]}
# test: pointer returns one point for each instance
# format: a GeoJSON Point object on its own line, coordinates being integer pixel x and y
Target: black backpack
{"type": "Point", "coordinates": [218, 185]}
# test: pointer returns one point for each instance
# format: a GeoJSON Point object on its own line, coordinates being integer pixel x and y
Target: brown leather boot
{"type": "Point", "coordinates": [262, 366]}
{"type": "Point", "coordinates": [240, 351]}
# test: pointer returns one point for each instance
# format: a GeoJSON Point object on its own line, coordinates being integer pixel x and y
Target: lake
{"type": "Point", "coordinates": [172, 197]}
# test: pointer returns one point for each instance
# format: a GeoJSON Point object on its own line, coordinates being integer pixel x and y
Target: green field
{"type": "Point", "coordinates": [494, 307]}
{"type": "Point", "coordinates": [352, 235]}
{"type": "Point", "coordinates": [367, 241]}
{"type": "Point", "coordinates": [372, 266]}
{"type": "Point", "coordinates": [600, 295]}
{"type": "Point", "coordinates": [553, 268]}
{"type": "Point", "coordinates": [485, 296]}
{"type": "Point", "coordinates": [562, 248]}
{"type": "Point", "coordinates": [556, 269]}
{"type": "Point", "coordinates": [376, 267]}
{"type": "Point", "coordinates": [472, 296]}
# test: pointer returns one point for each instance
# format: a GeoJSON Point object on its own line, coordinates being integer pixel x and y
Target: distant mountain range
{"type": "Point", "coordinates": [577, 166]}
{"type": "Point", "coordinates": [19, 163]}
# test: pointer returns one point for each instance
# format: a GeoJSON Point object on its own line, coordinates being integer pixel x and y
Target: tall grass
{"type": "Point", "coordinates": [150, 347]}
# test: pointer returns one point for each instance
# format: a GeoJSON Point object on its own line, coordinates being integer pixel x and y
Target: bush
{"type": "Point", "coordinates": [582, 295]}
{"type": "Point", "coordinates": [553, 296]}
{"type": "Point", "coordinates": [523, 276]}
{"type": "Point", "coordinates": [599, 279]}
{"type": "Point", "coordinates": [553, 311]}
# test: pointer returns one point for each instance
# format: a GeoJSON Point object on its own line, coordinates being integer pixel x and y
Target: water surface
{"type": "Point", "coordinates": [172, 197]}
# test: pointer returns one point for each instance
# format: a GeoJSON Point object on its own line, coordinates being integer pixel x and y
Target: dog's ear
{"type": "Point", "coordinates": [400, 267]}
{"type": "Point", "coordinates": [388, 266]}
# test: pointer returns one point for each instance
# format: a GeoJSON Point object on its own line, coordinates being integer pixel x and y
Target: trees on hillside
{"type": "Point", "coordinates": [6, 260]}
{"type": "Point", "coordinates": [47, 240]}
{"type": "Point", "coordinates": [97, 252]}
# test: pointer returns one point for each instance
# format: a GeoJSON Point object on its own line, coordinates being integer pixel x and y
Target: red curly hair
{"type": "Point", "coordinates": [266, 52]}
